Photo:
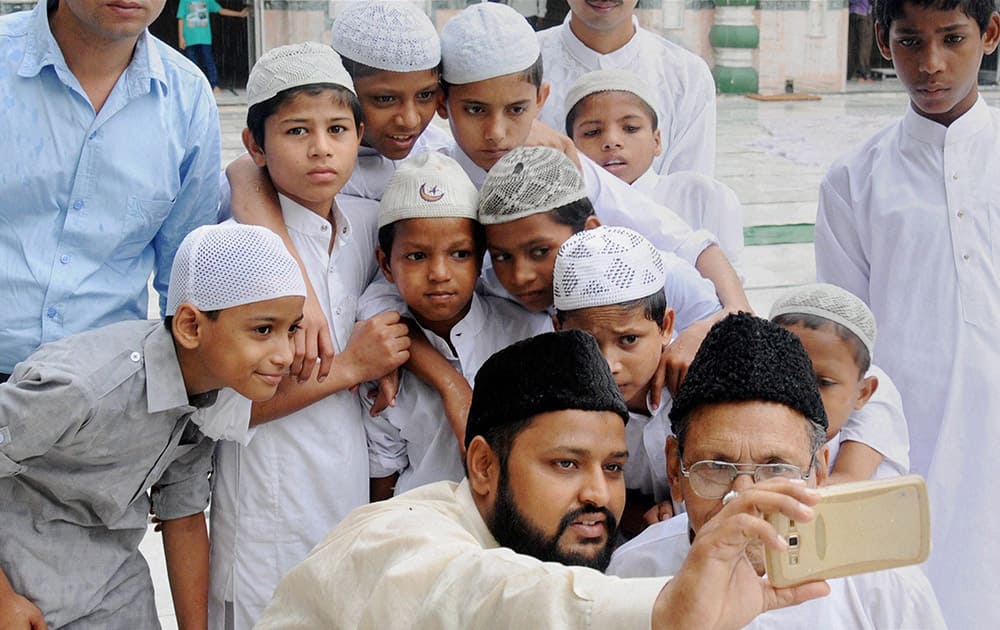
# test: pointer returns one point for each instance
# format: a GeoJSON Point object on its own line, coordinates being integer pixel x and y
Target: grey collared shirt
{"type": "Point", "coordinates": [94, 430]}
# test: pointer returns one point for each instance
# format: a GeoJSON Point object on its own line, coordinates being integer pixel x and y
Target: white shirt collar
{"type": "Point", "coordinates": [463, 333]}
{"type": "Point", "coordinates": [647, 181]}
{"type": "Point", "coordinates": [590, 57]}
{"type": "Point", "coordinates": [968, 125]}
{"type": "Point", "coordinates": [305, 221]}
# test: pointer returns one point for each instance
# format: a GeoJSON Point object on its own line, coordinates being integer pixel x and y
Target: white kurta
{"type": "Point", "coordinates": [682, 80]}
{"type": "Point", "coordinates": [703, 202]}
{"type": "Point", "coordinates": [414, 438]}
{"type": "Point", "coordinates": [881, 425]}
{"type": "Point", "coordinates": [616, 203]}
{"type": "Point", "coordinates": [646, 436]}
{"type": "Point", "coordinates": [276, 497]}
{"type": "Point", "coordinates": [910, 222]}
{"type": "Point", "coordinates": [883, 600]}
{"type": "Point", "coordinates": [427, 561]}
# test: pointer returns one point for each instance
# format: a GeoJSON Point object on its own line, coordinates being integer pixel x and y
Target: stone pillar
{"type": "Point", "coordinates": [735, 37]}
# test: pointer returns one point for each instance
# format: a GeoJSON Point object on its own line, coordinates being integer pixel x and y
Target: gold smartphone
{"type": "Point", "coordinates": [859, 527]}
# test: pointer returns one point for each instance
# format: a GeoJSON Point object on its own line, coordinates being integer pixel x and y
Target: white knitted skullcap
{"type": "Point", "coordinates": [292, 66]}
{"type": "Point", "coordinates": [387, 35]}
{"type": "Point", "coordinates": [226, 265]}
{"type": "Point", "coordinates": [526, 181]}
{"type": "Point", "coordinates": [833, 303]}
{"type": "Point", "coordinates": [608, 81]}
{"type": "Point", "coordinates": [485, 41]}
{"type": "Point", "coordinates": [425, 186]}
{"type": "Point", "coordinates": [605, 266]}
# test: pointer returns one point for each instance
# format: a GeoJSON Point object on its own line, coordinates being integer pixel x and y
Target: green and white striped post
{"type": "Point", "coordinates": [734, 37]}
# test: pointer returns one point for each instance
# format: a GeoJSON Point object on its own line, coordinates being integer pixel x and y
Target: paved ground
{"type": "Point", "coordinates": [773, 154]}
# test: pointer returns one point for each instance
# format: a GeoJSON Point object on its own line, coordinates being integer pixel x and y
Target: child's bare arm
{"type": "Point", "coordinates": [432, 368]}
{"type": "Point", "coordinates": [254, 201]}
{"type": "Point", "coordinates": [185, 545]}
{"type": "Point", "coordinates": [180, 34]}
{"type": "Point", "coordinates": [382, 488]}
{"type": "Point", "coordinates": [855, 462]}
{"type": "Point", "coordinates": [230, 13]}
{"type": "Point", "coordinates": [16, 611]}
{"type": "Point", "coordinates": [713, 264]}
{"type": "Point", "coordinates": [378, 346]}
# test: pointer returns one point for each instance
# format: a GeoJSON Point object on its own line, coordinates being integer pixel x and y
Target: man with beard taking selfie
{"type": "Point", "coordinates": [522, 540]}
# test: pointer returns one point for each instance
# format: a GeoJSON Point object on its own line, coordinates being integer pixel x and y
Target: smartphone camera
{"type": "Point", "coordinates": [793, 544]}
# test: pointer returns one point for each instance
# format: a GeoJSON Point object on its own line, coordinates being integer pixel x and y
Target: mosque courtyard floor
{"type": "Point", "coordinates": [773, 154]}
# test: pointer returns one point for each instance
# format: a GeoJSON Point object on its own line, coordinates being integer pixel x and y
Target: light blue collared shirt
{"type": "Point", "coordinates": [92, 203]}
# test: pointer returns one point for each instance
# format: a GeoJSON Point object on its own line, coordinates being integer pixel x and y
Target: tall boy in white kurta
{"type": "Point", "coordinates": [278, 495]}
{"type": "Point", "coordinates": [910, 223]}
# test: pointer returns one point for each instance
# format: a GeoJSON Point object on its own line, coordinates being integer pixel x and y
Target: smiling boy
{"type": "Point", "coordinates": [101, 428]}
{"type": "Point", "coordinates": [908, 223]}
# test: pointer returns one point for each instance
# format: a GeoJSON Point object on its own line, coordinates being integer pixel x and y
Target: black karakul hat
{"type": "Point", "coordinates": [748, 358]}
{"type": "Point", "coordinates": [548, 372]}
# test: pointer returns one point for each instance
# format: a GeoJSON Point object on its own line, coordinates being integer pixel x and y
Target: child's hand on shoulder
{"type": "Point", "coordinates": [659, 512]}
{"type": "Point", "coordinates": [17, 612]}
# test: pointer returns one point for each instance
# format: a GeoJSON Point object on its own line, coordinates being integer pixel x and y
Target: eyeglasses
{"type": "Point", "coordinates": [712, 480]}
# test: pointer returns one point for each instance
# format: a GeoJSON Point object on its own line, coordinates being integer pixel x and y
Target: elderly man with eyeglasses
{"type": "Point", "coordinates": [749, 412]}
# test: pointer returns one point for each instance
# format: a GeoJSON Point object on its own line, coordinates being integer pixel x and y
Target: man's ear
{"type": "Point", "coordinates": [187, 326]}
{"type": "Point", "coordinates": [442, 104]}
{"type": "Point", "coordinates": [822, 465]}
{"type": "Point", "coordinates": [882, 39]}
{"type": "Point", "coordinates": [868, 386]}
{"type": "Point", "coordinates": [383, 264]}
{"type": "Point", "coordinates": [483, 468]}
{"type": "Point", "coordinates": [674, 476]}
{"type": "Point", "coordinates": [255, 150]}
{"type": "Point", "coordinates": [556, 326]}
{"type": "Point", "coordinates": [543, 95]}
{"type": "Point", "coordinates": [591, 222]}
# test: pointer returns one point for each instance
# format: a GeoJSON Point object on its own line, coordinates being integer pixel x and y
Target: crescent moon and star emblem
{"type": "Point", "coordinates": [430, 193]}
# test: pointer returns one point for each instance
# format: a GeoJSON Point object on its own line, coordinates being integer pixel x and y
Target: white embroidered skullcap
{"type": "Point", "coordinates": [230, 264]}
{"type": "Point", "coordinates": [608, 81]}
{"type": "Point", "coordinates": [387, 35]}
{"type": "Point", "coordinates": [605, 266]}
{"type": "Point", "coordinates": [527, 181]}
{"type": "Point", "coordinates": [292, 66]}
{"type": "Point", "coordinates": [426, 186]}
{"type": "Point", "coordinates": [485, 41]}
{"type": "Point", "coordinates": [833, 303]}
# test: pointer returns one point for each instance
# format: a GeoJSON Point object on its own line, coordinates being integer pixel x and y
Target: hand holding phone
{"type": "Point", "coordinates": [859, 527]}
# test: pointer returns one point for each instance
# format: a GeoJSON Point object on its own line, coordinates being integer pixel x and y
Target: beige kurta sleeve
{"type": "Point", "coordinates": [424, 560]}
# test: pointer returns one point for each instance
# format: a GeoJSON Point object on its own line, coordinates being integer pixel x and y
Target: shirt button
{"type": "Point", "coordinates": [965, 256]}
{"type": "Point", "coordinates": [343, 230]}
{"type": "Point", "coordinates": [77, 204]}
{"type": "Point", "coordinates": [954, 175]}
{"type": "Point", "coordinates": [325, 227]}
{"type": "Point", "coordinates": [135, 357]}
{"type": "Point", "coordinates": [338, 311]}
{"type": "Point", "coordinates": [93, 135]}
{"type": "Point", "coordinates": [65, 259]}
{"type": "Point", "coordinates": [961, 213]}
{"type": "Point", "coordinates": [51, 311]}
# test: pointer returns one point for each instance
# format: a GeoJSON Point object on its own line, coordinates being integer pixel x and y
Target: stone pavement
{"type": "Point", "coordinates": [773, 154]}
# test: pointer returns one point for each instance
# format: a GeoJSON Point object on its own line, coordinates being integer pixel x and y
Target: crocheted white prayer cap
{"type": "Point", "coordinates": [425, 186]}
{"type": "Point", "coordinates": [608, 81]}
{"type": "Point", "coordinates": [527, 181]}
{"type": "Point", "coordinates": [604, 266]}
{"type": "Point", "coordinates": [388, 35]}
{"type": "Point", "coordinates": [485, 41]}
{"type": "Point", "coordinates": [833, 303]}
{"type": "Point", "coordinates": [295, 65]}
{"type": "Point", "coordinates": [226, 265]}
